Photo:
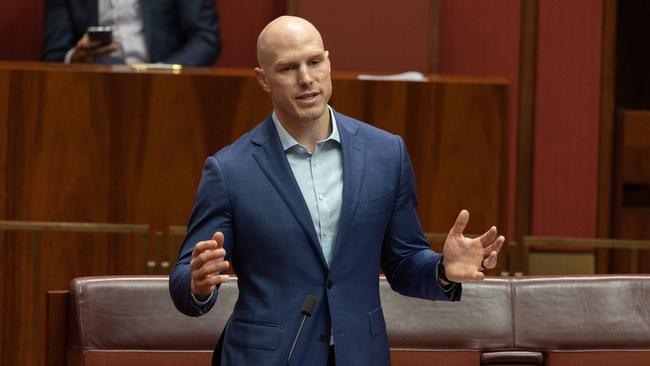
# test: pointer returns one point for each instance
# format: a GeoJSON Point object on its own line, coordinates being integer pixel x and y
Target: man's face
{"type": "Point", "coordinates": [297, 76]}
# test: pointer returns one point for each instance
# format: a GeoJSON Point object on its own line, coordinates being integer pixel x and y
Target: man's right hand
{"type": "Point", "coordinates": [207, 264]}
{"type": "Point", "coordinates": [87, 51]}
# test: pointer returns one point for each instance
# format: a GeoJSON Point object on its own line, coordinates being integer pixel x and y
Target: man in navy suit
{"type": "Point", "coordinates": [312, 202]}
{"type": "Point", "coordinates": [184, 32]}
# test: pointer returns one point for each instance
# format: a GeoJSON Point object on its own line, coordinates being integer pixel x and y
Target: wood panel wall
{"type": "Point", "coordinates": [104, 144]}
{"type": "Point", "coordinates": [375, 36]}
{"type": "Point", "coordinates": [483, 38]}
{"type": "Point", "coordinates": [567, 117]}
{"type": "Point", "coordinates": [631, 204]}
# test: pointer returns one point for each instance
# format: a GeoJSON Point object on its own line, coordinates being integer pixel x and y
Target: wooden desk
{"type": "Point", "coordinates": [97, 143]}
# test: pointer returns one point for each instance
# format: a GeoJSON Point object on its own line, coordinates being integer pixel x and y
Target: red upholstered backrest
{"type": "Point", "coordinates": [594, 320]}
{"type": "Point", "coordinates": [131, 320]}
{"type": "Point", "coordinates": [582, 313]}
{"type": "Point", "coordinates": [480, 322]}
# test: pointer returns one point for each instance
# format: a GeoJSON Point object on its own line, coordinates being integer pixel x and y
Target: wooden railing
{"type": "Point", "coordinates": [26, 289]}
{"type": "Point", "coordinates": [582, 244]}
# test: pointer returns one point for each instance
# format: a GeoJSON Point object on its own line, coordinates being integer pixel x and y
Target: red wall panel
{"type": "Point", "coordinates": [373, 36]}
{"type": "Point", "coordinates": [241, 22]}
{"type": "Point", "coordinates": [21, 29]}
{"type": "Point", "coordinates": [567, 118]}
{"type": "Point", "coordinates": [482, 38]}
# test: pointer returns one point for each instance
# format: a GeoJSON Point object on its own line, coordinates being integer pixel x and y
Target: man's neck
{"type": "Point", "coordinates": [307, 133]}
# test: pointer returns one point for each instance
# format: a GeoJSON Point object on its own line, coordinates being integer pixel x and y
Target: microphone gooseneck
{"type": "Point", "coordinates": [308, 307]}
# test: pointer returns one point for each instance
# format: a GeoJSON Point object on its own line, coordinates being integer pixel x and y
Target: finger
{"type": "Point", "coordinates": [216, 255]}
{"type": "Point", "coordinates": [202, 246]}
{"type": "Point", "coordinates": [97, 50]}
{"type": "Point", "coordinates": [495, 246]}
{"type": "Point", "coordinates": [491, 261]}
{"type": "Point", "coordinates": [464, 273]}
{"type": "Point", "coordinates": [488, 237]}
{"type": "Point", "coordinates": [213, 279]}
{"type": "Point", "coordinates": [460, 224]}
{"type": "Point", "coordinates": [217, 279]}
{"type": "Point", "coordinates": [210, 269]}
{"type": "Point", "coordinates": [83, 41]}
{"type": "Point", "coordinates": [90, 45]}
{"type": "Point", "coordinates": [474, 276]}
{"type": "Point", "coordinates": [478, 276]}
{"type": "Point", "coordinates": [219, 238]}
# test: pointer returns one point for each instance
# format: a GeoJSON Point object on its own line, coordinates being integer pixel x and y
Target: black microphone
{"type": "Point", "coordinates": [307, 308]}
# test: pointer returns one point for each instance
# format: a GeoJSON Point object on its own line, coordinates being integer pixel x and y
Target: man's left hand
{"type": "Point", "coordinates": [466, 259]}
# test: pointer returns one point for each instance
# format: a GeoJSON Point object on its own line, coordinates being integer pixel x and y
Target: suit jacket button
{"type": "Point", "coordinates": [324, 338]}
{"type": "Point", "coordinates": [329, 284]}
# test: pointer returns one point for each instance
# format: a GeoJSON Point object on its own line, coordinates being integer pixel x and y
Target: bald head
{"type": "Point", "coordinates": [284, 33]}
{"type": "Point", "coordinates": [294, 68]}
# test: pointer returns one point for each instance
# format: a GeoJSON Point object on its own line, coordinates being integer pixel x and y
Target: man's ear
{"type": "Point", "coordinates": [327, 59]}
{"type": "Point", "coordinates": [261, 79]}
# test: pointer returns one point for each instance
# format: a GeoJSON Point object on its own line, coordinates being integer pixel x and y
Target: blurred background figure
{"type": "Point", "coordinates": [182, 32]}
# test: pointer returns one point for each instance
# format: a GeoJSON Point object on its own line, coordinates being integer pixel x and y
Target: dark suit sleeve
{"type": "Point", "coordinates": [58, 37]}
{"type": "Point", "coordinates": [211, 213]}
{"type": "Point", "coordinates": [408, 262]}
{"type": "Point", "coordinates": [199, 23]}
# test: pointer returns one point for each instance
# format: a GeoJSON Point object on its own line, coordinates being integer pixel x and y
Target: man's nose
{"type": "Point", "coordinates": [304, 76]}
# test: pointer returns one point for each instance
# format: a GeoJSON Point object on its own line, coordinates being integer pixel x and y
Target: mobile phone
{"type": "Point", "coordinates": [103, 35]}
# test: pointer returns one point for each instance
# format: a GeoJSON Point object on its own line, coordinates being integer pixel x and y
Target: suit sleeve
{"type": "Point", "coordinates": [211, 213]}
{"type": "Point", "coordinates": [199, 23]}
{"type": "Point", "coordinates": [409, 263]}
{"type": "Point", "coordinates": [58, 37]}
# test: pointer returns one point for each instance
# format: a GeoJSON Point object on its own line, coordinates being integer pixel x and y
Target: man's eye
{"type": "Point", "coordinates": [314, 62]}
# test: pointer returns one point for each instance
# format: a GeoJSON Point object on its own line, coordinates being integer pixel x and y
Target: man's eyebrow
{"type": "Point", "coordinates": [282, 63]}
{"type": "Point", "coordinates": [317, 54]}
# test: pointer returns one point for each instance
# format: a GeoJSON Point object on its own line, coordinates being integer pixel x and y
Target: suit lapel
{"type": "Point", "coordinates": [353, 148]}
{"type": "Point", "coordinates": [272, 160]}
{"type": "Point", "coordinates": [92, 8]}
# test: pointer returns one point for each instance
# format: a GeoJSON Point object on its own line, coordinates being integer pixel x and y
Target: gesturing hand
{"type": "Point", "coordinates": [207, 264]}
{"type": "Point", "coordinates": [466, 258]}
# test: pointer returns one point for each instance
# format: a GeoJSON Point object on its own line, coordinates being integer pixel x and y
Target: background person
{"type": "Point", "coordinates": [184, 32]}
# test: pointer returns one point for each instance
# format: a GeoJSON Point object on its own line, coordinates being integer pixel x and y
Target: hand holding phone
{"type": "Point", "coordinates": [97, 41]}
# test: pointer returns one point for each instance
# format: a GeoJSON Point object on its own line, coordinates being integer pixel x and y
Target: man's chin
{"type": "Point", "coordinates": [313, 113]}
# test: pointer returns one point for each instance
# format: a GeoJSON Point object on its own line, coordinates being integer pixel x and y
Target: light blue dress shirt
{"type": "Point", "coordinates": [320, 178]}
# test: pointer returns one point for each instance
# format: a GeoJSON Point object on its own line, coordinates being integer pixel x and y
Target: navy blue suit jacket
{"type": "Point", "coordinates": [182, 32]}
{"type": "Point", "coordinates": [248, 192]}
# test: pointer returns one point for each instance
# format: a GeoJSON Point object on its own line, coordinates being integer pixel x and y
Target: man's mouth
{"type": "Point", "coordinates": [307, 97]}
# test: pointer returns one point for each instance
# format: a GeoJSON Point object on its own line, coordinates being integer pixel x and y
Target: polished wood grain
{"type": "Point", "coordinates": [46, 255]}
{"type": "Point", "coordinates": [56, 328]}
{"type": "Point", "coordinates": [631, 203]}
{"type": "Point", "coordinates": [4, 265]}
{"type": "Point", "coordinates": [105, 144]}
{"type": "Point", "coordinates": [453, 138]}
{"type": "Point", "coordinates": [525, 131]}
{"type": "Point", "coordinates": [630, 256]}
{"type": "Point", "coordinates": [606, 130]}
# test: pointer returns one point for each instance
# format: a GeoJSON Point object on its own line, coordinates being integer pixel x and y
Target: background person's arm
{"type": "Point", "coordinates": [58, 37]}
{"type": "Point", "coordinates": [199, 23]}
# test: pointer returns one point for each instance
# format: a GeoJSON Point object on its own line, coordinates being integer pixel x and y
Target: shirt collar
{"type": "Point", "coordinates": [288, 141]}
